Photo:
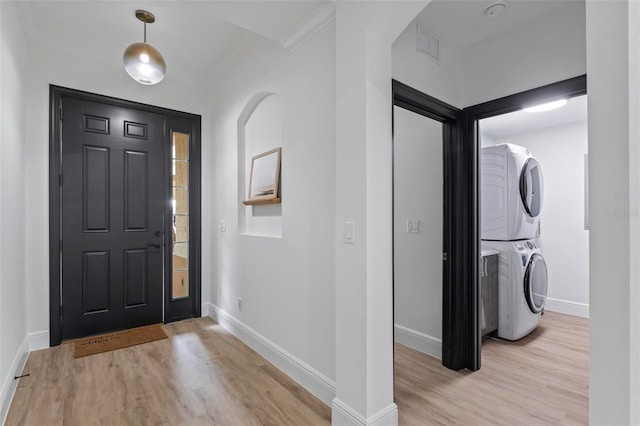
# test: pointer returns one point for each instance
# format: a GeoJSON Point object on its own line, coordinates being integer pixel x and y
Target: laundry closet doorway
{"type": "Point", "coordinates": [431, 215]}
{"type": "Point", "coordinates": [474, 116]}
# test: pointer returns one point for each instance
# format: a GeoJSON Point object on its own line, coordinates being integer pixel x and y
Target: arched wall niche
{"type": "Point", "coordinates": [260, 129]}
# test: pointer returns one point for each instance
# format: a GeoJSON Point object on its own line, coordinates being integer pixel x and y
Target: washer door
{"type": "Point", "coordinates": [531, 187]}
{"type": "Point", "coordinates": [535, 283]}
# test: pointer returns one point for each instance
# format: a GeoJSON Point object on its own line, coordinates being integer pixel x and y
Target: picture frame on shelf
{"type": "Point", "coordinates": [264, 180]}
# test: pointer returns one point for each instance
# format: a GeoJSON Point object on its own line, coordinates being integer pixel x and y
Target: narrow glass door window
{"type": "Point", "coordinates": [180, 215]}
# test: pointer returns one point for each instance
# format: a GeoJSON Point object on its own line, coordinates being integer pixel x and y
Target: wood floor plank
{"type": "Point", "coordinates": [542, 379]}
{"type": "Point", "coordinates": [203, 375]}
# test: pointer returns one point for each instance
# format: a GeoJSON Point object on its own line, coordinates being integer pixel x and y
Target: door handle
{"type": "Point", "coordinates": [156, 245]}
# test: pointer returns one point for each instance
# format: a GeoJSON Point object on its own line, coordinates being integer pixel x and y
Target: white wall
{"type": "Point", "coordinates": [49, 65]}
{"type": "Point", "coordinates": [563, 239]}
{"type": "Point", "coordinates": [365, 32]}
{"type": "Point", "coordinates": [13, 328]}
{"type": "Point", "coordinates": [545, 50]}
{"type": "Point", "coordinates": [417, 196]}
{"type": "Point", "coordinates": [443, 80]}
{"type": "Point", "coordinates": [614, 245]}
{"type": "Point", "coordinates": [285, 280]}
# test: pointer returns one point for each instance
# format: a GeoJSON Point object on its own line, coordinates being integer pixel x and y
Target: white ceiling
{"type": "Point", "coordinates": [523, 122]}
{"type": "Point", "coordinates": [193, 36]}
{"type": "Point", "coordinates": [463, 23]}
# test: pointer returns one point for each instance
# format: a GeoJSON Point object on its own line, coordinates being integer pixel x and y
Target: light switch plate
{"type": "Point", "coordinates": [350, 232]}
{"type": "Point", "coordinates": [223, 226]}
{"type": "Point", "coordinates": [413, 226]}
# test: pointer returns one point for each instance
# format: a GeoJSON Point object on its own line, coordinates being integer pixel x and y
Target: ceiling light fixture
{"type": "Point", "coordinates": [143, 62]}
{"type": "Point", "coordinates": [546, 106]}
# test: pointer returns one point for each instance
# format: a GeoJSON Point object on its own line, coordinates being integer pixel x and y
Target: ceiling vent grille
{"type": "Point", "coordinates": [428, 44]}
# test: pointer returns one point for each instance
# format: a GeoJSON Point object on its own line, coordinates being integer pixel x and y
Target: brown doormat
{"type": "Point", "coordinates": [117, 340]}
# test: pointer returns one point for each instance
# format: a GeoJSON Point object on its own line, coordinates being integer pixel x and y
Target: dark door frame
{"type": "Point", "coordinates": [461, 331]}
{"type": "Point", "coordinates": [569, 88]}
{"type": "Point", "coordinates": [172, 117]}
{"type": "Point", "coordinates": [458, 270]}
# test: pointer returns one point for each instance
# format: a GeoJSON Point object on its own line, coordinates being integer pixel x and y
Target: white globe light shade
{"type": "Point", "coordinates": [144, 63]}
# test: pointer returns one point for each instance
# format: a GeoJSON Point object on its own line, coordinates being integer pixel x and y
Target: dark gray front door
{"type": "Point", "coordinates": [113, 212]}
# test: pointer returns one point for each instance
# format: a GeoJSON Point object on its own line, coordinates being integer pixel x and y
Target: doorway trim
{"type": "Point", "coordinates": [56, 93]}
{"type": "Point", "coordinates": [458, 202]}
{"type": "Point", "coordinates": [572, 87]}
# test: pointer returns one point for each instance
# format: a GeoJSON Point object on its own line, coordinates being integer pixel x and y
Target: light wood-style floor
{"type": "Point", "coordinates": [542, 379]}
{"type": "Point", "coordinates": [202, 375]}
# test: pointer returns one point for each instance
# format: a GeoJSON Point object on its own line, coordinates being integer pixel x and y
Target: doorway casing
{"type": "Point", "coordinates": [457, 269]}
{"type": "Point", "coordinates": [576, 86]}
{"type": "Point", "coordinates": [461, 329]}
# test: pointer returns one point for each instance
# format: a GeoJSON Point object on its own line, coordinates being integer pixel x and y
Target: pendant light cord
{"type": "Point", "coordinates": [145, 30]}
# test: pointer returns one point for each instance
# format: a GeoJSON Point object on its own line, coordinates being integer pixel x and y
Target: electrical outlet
{"type": "Point", "coordinates": [239, 303]}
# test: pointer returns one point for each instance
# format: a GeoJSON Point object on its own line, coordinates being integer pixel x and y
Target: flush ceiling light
{"type": "Point", "coordinates": [143, 62]}
{"type": "Point", "coordinates": [546, 106]}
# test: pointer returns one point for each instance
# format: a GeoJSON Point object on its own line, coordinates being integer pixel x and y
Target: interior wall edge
{"type": "Point", "coordinates": [309, 378]}
{"type": "Point", "coordinates": [343, 415]}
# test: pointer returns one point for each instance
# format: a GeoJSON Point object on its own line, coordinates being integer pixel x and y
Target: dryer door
{"type": "Point", "coordinates": [535, 283]}
{"type": "Point", "coordinates": [531, 187]}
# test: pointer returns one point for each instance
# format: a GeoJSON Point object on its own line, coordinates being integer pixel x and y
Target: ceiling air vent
{"type": "Point", "coordinates": [428, 44]}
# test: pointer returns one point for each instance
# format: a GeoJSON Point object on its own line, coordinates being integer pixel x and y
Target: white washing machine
{"type": "Point", "coordinates": [522, 286]}
{"type": "Point", "coordinates": [511, 193]}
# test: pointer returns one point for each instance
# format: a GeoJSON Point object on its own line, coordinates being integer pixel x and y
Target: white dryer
{"type": "Point", "coordinates": [511, 193]}
{"type": "Point", "coordinates": [522, 286]}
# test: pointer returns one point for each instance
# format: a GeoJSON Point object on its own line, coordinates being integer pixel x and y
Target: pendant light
{"type": "Point", "coordinates": [143, 62]}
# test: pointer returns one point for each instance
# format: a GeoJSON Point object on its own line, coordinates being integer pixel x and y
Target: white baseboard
{"type": "Point", "coordinates": [32, 342]}
{"type": "Point", "coordinates": [343, 415]}
{"type": "Point", "coordinates": [309, 378]}
{"type": "Point", "coordinates": [38, 340]}
{"type": "Point", "coordinates": [419, 341]}
{"type": "Point", "coordinates": [567, 307]}
{"type": "Point", "coordinates": [10, 384]}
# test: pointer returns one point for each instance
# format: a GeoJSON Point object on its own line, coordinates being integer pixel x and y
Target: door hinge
{"type": "Point", "coordinates": [61, 113]}
{"type": "Point", "coordinates": [60, 179]}
{"type": "Point", "coordinates": [444, 256]}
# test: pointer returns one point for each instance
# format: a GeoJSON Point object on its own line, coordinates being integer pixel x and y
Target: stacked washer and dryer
{"type": "Point", "coordinates": [511, 201]}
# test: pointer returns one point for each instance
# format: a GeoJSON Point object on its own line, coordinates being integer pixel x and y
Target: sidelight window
{"type": "Point", "coordinates": [180, 214]}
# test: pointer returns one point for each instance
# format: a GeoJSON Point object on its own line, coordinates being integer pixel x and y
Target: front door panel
{"type": "Point", "coordinates": [112, 218]}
